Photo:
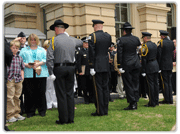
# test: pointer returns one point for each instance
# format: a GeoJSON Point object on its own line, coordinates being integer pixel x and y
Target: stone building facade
{"type": "Point", "coordinates": [143, 16]}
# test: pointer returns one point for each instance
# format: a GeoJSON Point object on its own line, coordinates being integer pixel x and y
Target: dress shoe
{"type": "Point", "coordinates": [148, 105]}
{"type": "Point", "coordinates": [30, 115]}
{"type": "Point", "coordinates": [69, 122]}
{"type": "Point", "coordinates": [60, 123]}
{"type": "Point", "coordinates": [132, 106]}
{"type": "Point", "coordinates": [42, 114]}
{"type": "Point", "coordinates": [95, 114]}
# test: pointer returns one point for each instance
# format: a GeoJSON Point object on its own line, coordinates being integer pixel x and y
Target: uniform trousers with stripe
{"type": "Point", "coordinates": [152, 88]}
{"type": "Point", "coordinates": [167, 90]}
{"type": "Point", "coordinates": [102, 93]}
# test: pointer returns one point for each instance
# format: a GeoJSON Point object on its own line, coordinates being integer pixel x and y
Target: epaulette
{"type": "Point", "coordinates": [94, 38]}
{"type": "Point", "coordinates": [53, 42]}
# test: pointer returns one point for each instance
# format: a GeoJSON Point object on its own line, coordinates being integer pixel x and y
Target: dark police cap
{"type": "Point", "coordinates": [146, 34]}
{"type": "Point", "coordinates": [127, 25]}
{"type": "Point", "coordinates": [84, 39]}
{"type": "Point", "coordinates": [163, 32]}
{"type": "Point", "coordinates": [97, 22]}
{"type": "Point", "coordinates": [59, 22]}
{"type": "Point", "coordinates": [21, 34]}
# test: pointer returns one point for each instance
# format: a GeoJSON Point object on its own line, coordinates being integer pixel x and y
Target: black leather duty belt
{"type": "Point", "coordinates": [63, 64]}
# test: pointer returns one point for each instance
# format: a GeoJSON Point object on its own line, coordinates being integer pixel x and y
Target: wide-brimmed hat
{"type": "Point", "coordinates": [59, 22]}
{"type": "Point", "coordinates": [127, 25]}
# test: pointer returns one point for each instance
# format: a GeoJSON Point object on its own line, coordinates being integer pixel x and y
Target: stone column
{"type": "Point", "coordinates": [153, 17]}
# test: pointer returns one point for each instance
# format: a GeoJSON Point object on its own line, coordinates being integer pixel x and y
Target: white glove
{"type": "Point", "coordinates": [159, 71]}
{"type": "Point", "coordinates": [92, 72]}
{"type": "Point", "coordinates": [121, 70]}
{"type": "Point", "coordinates": [52, 77]}
{"type": "Point", "coordinates": [143, 74]}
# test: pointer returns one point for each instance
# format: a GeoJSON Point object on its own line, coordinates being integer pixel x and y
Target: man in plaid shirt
{"type": "Point", "coordinates": [14, 84]}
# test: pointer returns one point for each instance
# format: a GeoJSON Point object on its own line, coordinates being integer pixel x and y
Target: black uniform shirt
{"type": "Point", "coordinates": [149, 62]}
{"type": "Point", "coordinates": [98, 51]}
{"type": "Point", "coordinates": [126, 52]}
{"type": "Point", "coordinates": [165, 54]}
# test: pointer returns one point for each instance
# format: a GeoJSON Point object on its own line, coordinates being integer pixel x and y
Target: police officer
{"type": "Point", "coordinates": [165, 56]}
{"type": "Point", "coordinates": [129, 65]}
{"type": "Point", "coordinates": [60, 63]}
{"type": "Point", "coordinates": [150, 68]}
{"type": "Point", "coordinates": [84, 70]}
{"type": "Point", "coordinates": [99, 61]}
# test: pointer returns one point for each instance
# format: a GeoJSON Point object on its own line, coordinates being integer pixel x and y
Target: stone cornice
{"type": "Point", "coordinates": [148, 6]}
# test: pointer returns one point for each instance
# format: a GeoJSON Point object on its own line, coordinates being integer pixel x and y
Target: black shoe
{"type": "Point", "coordinates": [86, 102]}
{"type": "Point", "coordinates": [60, 123]}
{"type": "Point", "coordinates": [42, 114]}
{"type": "Point", "coordinates": [95, 114]}
{"type": "Point", "coordinates": [69, 122]}
{"type": "Point", "coordinates": [132, 106]}
{"type": "Point", "coordinates": [30, 115]}
{"type": "Point", "coordinates": [147, 105]}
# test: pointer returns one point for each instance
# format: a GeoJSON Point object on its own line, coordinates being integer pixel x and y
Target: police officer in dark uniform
{"type": "Point", "coordinates": [84, 70]}
{"type": "Point", "coordinates": [150, 68]}
{"type": "Point", "coordinates": [60, 63]}
{"type": "Point", "coordinates": [113, 76]}
{"type": "Point", "coordinates": [129, 65]}
{"type": "Point", "coordinates": [78, 92]}
{"type": "Point", "coordinates": [165, 53]}
{"type": "Point", "coordinates": [99, 61]}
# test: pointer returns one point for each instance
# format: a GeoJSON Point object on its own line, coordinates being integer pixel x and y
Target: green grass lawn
{"type": "Point", "coordinates": [160, 118]}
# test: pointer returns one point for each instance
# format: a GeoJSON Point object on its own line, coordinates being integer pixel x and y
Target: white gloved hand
{"type": "Point", "coordinates": [121, 70]}
{"type": "Point", "coordinates": [52, 77]}
{"type": "Point", "coordinates": [92, 72]}
{"type": "Point", "coordinates": [143, 74]}
{"type": "Point", "coordinates": [159, 71]}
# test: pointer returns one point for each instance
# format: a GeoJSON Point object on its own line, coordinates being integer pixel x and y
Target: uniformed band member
{"type": "Point", "coordinates": [129, 64]}
{"type": "Point", "coordinates": [60, 63]}
{"type": "Point", "coordinates": [113, 73]}
{"type": "Point", "coordinates": [165, 53]}
{"type": "Point", "coordinates": [150, 68]}
{"type": "Point", "coordinates": [84, 70]}
{"type": "Point", "coordinates": [99, 61]}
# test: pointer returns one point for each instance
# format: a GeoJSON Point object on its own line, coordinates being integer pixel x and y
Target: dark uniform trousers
{"type": "Point", "coordinates": [64, 84]}
{"type": "Point", "coordinates": [165, 60]}
{"type": "Point", "coordinates": [167, 90]}
{"type": "Point", "coordinates": [152, 88]}
{"type": "Point", "coordinates": [131, 85]}
{"type": "Point", "coordinates": [102, 95]}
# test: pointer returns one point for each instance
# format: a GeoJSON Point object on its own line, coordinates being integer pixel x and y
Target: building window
{"type": "Point", "coordinates": [170, 19]}
{"type": "Point", "coordinates": [122, 12]}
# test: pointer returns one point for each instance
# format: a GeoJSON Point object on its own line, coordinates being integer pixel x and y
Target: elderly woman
{"type": "Point", "coordinates": [35, 74]}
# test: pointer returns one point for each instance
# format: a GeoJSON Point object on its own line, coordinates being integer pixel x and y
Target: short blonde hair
{"type": "Point", "coordinates": [33, 36]}
{"type": "Point", "coordinates": [46, 44]}
{"type": "Point", "coordinates": [16, 43]}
